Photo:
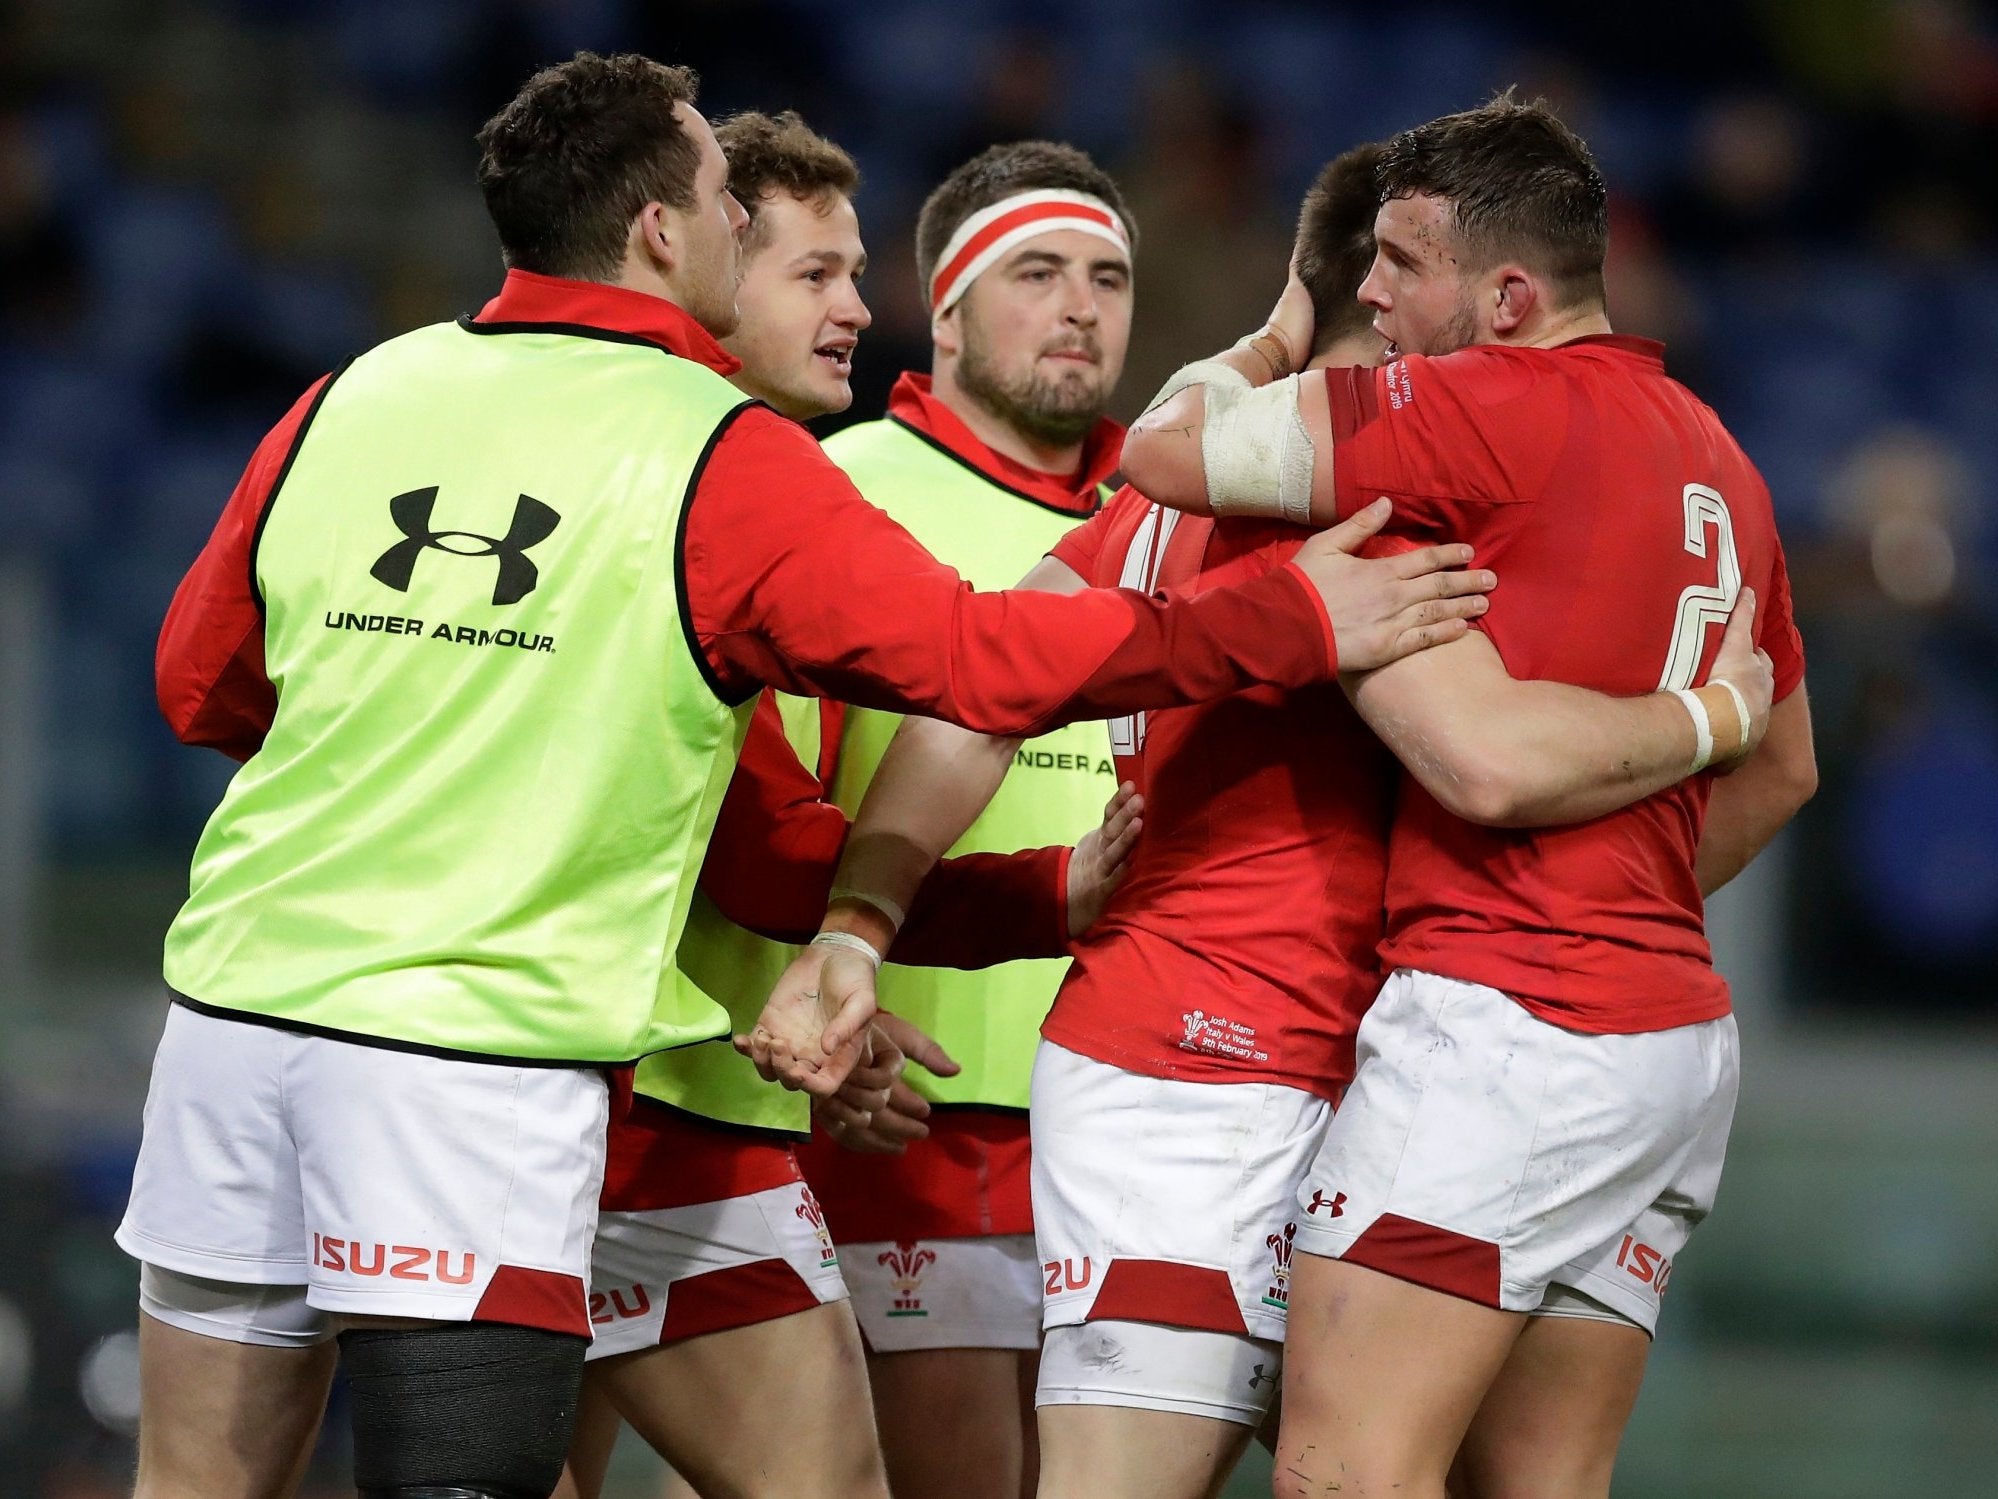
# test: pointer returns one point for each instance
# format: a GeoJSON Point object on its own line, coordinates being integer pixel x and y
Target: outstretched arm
{"type": "Point", "coordinates": [1508, 753]}
{"type": "Point", "coordinates": [841, 601]}
{"type": "Point", "coordinates": [928, 789]}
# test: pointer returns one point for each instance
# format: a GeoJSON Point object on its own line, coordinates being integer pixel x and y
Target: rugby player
{"type": "Point", "coordinates": [713, 1280]}
{"type": "Point", "coordinates": [1193, 1055]}
{"type": "Point", "coordinates": [483, 616]}
{"type": "Point", "coordinates": [722, 1331]}
{"type": "Point", "coordinates": [1545, 1086]}
{"type": "Point", "coordinates": [988, 459]}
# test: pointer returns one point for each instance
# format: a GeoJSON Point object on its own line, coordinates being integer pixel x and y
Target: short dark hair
{"type": "Point", "coordinates": [1521, 186]}
{"type": "Point", "coordinates": [999, 172]}
{"type": "Point", "coordinates": [1335, 243]}
{"type": "Point", "coordinates": [770, 154]}
{"type": "Point", "coordinates": [581, 149]}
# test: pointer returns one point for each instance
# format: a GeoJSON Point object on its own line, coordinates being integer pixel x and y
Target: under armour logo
{"type": "Point", "coordinates": [533, 522]}
{"type": "Point", "coordinates": [1336, 1202]}
{"type": "Point", "coordinates": [1258, 1377]}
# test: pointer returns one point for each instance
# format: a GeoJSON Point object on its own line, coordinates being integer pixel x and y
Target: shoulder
{"type": "Point", "coordinates": [1125, 504]}
{"type": "Point", "coordinates": [1484, 375]}
{"type": "Point", "coordinates": [867, 442]}
{"type": "Point", "coordinates": [759, 452]}
{"type": "Point", "coordinates": [1419, 389]}
{"type": "Point", "coordinates": [1092, 544]}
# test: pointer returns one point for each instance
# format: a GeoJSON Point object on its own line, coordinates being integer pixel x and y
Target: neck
{"type": "Point", "coordinates": [997, 433]}
{"type": "Point", "coordinates": [1560, 328]}
{"type": "Point", "coordinates": [1362, 346]}
{"type": "Point", "coordinates": [776, 400]}
{"type": "Point", "coordinates": [636, 273]}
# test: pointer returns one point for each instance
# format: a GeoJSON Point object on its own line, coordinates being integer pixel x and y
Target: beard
{"type": "Point", "coordinates": [716, 310]}
{"type": "Point", "coordinates": [1056, 410]}
{"type": "Point", "coordinates": [1460, 332]}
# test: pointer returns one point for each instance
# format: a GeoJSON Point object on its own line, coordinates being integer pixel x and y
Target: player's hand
{"type": "Point", "coordinates": [877, 1112]}
{"type": "Point", "coordinates": [1752, 673]}
{"type": "Point", "coordinates": [1294, 320]}
{"type": "Point", "coordinates": [813, 1027]}
{"type": "Point", "coordinates": [1101, 856]}
{"type": "Point", "coordinates": [851, 1110]}
{"type": "Point", "coordinates": [1384, 608]}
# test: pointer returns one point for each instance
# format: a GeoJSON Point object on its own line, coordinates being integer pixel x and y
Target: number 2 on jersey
{"type": "Point", "coordinates": [1704, 604]}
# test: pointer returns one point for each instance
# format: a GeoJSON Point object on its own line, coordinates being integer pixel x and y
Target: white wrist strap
{"type": "Point", "coordinates": [895, 914]}
{"type": "Point", "coordinates": [1703, 728]}
{"type": "Point", "coordinates": [1740, 707]}
{"type": "Point", "coordinates": [849, 941]}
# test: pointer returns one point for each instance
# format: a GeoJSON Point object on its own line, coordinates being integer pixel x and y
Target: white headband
{"type": "Point", "coordinates": [988, 234]}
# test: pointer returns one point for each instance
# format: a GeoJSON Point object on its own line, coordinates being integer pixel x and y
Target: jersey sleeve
{"type": "Point", "coordinates": [976, 910]}
{"type": "Point", "coordinates": [793, 580]}
{"type": "Point", "coordinates": [208, 670]}
{"type": "Point", "coordinates": [1081, 550]}
{"type": "Point", "coordinates": [1415, 431]}
{"type": "Point", "coordinates": [1776, 630]}
{"type": "Point", "coordinates": [777, 839]}
{"type": "Point", "coordinates": [777, 844]}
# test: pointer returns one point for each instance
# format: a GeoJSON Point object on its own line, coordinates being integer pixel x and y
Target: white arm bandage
{"type": "Point", "coordinates": [1208, 372]}
{"type": "Point", "coordinates": [1257, 451]}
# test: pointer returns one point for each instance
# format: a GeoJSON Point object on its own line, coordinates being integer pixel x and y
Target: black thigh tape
{"type": "Point", "coordinates": [462, 1410]}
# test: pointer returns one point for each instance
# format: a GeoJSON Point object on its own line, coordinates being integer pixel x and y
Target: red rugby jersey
{"type": "Point", "coordinates": [1621, 519]}
{"type": "Point", "coordinates": [1241, 945]}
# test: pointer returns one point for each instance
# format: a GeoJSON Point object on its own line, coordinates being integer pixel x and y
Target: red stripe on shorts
{"type": "Point", "coordinates": [1425, 1255]}
{"type": "Point", "coordinates": [535, 1298]}
{"type": "Point", "coordinates": [735, 1296]}
{"type": "Point", "coordinates": [1176, 1295]}
{"type": "Point", "coordinates": [659, 1157]}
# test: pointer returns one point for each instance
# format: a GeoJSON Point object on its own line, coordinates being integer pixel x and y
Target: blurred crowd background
{"type": "Point", "coordinates": [206, 203]}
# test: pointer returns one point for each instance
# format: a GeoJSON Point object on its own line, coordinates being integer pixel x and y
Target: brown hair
{"type": "Point", "coordinates": [1000, 172]}
{"type": "Point", "coordinates": [1521, 186]}
{"type": "Point", "coordinates": [768, 155]}
{"type": "Point", "coordinates": [1335, 243]}
{"type": "Point", "coordinates": [581, 149]}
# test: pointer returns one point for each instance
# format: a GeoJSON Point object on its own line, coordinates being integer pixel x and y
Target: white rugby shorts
{"type": "Point", "coordinates": [664, 1274]}
{"type": "Point", "coordinates": [387, 1183]}
{"type": "Point", "coordinates": [1483, 1152]}
{"type": "Point", "coordinates": [980, 1292]}
{"type": "Point", "coordinates": [1174, 1203]}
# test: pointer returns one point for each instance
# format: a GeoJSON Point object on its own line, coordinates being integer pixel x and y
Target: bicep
{"type": "Point", "coordinates": [209, 667]}
{"type": "Point", "coordinates": [1750, 806]}
{"type": "Point", "coordinates": [1788, 756]}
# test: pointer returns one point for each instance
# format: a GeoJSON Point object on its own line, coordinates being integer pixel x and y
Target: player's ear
{"type": "Point", "coordinates": [654, 238]}
{"type": "Point", "coordinates": [947, 329]}
{"type": "Point", "coordinates": [1514, 294]}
